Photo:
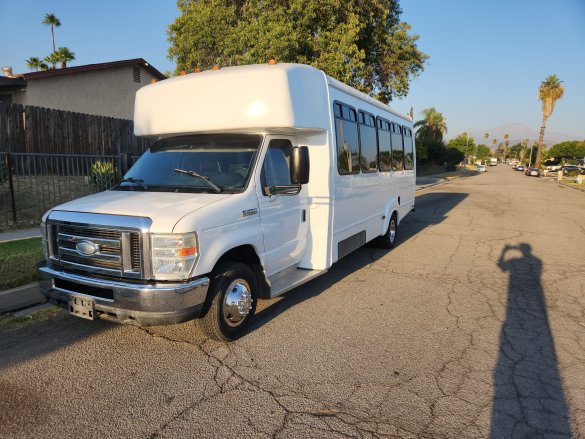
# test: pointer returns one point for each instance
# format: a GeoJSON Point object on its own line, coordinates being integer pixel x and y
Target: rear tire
{"type": "Point", "coordinates": [388, 239]}
{"type": "Point", "coordinates": [231, 302]}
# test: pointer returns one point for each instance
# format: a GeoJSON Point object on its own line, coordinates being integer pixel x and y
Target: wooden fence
{"type": "Point", "coordinates": [28, 129]}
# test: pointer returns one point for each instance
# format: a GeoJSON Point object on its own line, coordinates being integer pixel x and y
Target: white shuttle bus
{"type": "Point", "coordinates": [262, 177]}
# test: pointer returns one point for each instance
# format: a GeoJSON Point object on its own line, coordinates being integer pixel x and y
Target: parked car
{"type": "Point", "coordinates": [519, 168]}
{"type": "Point", "coordinates": [481, 168]}
{"type": "Point", "coordinates": [570, 170]}
{"type": "Point", "coordinates": [532, 172]}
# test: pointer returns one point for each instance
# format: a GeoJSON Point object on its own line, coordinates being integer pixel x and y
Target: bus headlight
{"type": "Point", "coordinates": [173, 256]}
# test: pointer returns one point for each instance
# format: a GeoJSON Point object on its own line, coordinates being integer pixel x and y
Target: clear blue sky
{"type": "Point", "coordinates": [487, 57]}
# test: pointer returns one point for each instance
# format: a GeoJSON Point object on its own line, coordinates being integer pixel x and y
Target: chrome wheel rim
{"type": "Point", "coordinates": [392, 230]}
{"type": "Point", "coordinates": [237, 303]}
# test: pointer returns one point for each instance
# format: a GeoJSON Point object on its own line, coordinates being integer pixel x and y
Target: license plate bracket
{"type": "Point", "coordinates": [82, 307]}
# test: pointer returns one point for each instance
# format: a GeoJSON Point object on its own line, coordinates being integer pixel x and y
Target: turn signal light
{"type": "Point", "coordinates": [183, 73]}
{"type": "Point", "coordinates": [197, 70]}
{"type": "Point", "coordinates": [215, 67]}
{"type": "Point", "coordinates": [272, 61]}
{"type": "Point", "coordinates": [152, 81]}
{"type": "Point", "coordinates": [187, 251]}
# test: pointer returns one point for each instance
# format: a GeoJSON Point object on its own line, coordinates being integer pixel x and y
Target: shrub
{"type": "Point", "coordinates": [104, 175]}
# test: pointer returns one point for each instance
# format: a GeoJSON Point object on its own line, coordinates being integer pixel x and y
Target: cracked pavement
{"type": "Point", "coordinates": [473, 326]}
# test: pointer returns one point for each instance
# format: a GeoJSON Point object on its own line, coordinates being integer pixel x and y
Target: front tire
{"type": "Point", "coordinates": [231, 302]}
{"type": "Point", "coordinates": [388, 239]}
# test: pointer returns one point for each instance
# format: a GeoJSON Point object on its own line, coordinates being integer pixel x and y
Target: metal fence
{"type": "Point", "coordinates": [30, 184]}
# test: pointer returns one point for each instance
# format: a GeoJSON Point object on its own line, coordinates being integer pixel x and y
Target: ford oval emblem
{"type": "Point", "coordinates": [87, 248]}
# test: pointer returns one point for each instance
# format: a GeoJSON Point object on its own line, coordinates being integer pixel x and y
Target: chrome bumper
{"type": "Point", "coordinates": [153, 304]}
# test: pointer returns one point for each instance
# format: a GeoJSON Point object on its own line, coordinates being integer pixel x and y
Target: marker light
{"type": "Point", "coordinates": [197, 70]}
{"type": "Point", "coordinates": [215, 67]}
{"type": "Point", "coordinates": [183, 73]}
{"type": "Point", "coordinates": [152, 81]}
{"type": "Point", "coordinates": [272, 62]}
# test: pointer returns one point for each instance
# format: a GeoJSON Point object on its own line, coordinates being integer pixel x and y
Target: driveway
{"type": "Point", "coordinates": [474, 326]}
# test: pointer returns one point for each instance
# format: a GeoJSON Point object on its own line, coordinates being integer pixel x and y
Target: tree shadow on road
{"type": "Point", "coordinates": [529, 400]}
{"type": "Point", "coordinates": [431, 209]}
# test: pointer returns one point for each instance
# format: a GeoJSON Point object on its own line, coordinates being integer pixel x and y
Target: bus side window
{"type": "Point", "coordinates": [368, 144]}
{"type": "Point", "coordinates": [346, 134]}
{"type": "Point", "coordinates": [397, 148]}
{"type": "Point", "coordinates": [408, 149]}
{"type": "Point", "coordinates": [384, 146]}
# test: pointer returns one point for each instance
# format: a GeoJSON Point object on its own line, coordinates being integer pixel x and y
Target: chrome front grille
{"type": "Point", "coordinates": [114, 252]}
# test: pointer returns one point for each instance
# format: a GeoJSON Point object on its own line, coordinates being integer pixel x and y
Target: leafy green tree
{"type": "Point", "coordinates": [461, 143]}
{"type": "Point", "coordinates": [360, 42]}
{"type": "Point", "coordinates": [482, 152]}
{"type": "Point", "coordinates": [65, 55]}
{"type": "Point", "coordinates": [569, 150]}
{"type": "Point", "coordinates": [53, 21]}
{"type": "Point", "coordinates": [549, 92]}
{"type": "Point", "coordinates": [452, 156]}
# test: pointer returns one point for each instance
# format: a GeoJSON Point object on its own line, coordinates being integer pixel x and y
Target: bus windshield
{"type": "Point", "coordinates": [195, 163]}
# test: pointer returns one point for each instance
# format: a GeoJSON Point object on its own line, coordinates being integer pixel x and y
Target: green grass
{"type": "Point", "coordinates": [9, 322]}
{"type": "Point", "coordinates": [18, 262]}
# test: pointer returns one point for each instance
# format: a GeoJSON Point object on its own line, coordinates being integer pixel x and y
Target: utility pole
{"type": "Point", "coordinates": [466, 145]}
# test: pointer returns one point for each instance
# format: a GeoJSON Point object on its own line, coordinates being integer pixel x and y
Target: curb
{"type": "Point", "coordinates": [21, 297]}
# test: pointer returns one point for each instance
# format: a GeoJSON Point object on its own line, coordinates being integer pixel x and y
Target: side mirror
{"type": "Point", "coordinates": [299, 165]}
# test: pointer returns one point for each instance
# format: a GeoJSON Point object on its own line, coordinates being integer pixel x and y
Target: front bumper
{"type": "Point", "coordinates": [145, 305]}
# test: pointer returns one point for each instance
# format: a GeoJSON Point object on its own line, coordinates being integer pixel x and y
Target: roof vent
{"type": "Point", "coordinates": [136, 73]}
{"type": "Point", "coordinates": [7, 71]}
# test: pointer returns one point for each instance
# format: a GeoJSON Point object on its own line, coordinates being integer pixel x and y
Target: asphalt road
{"type": "Point", "coordinates": [474, 326]}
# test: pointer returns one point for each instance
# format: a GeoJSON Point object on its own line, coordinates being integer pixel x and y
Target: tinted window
{"type": "Point", "coordinates": [408, 153]}
{"type": "Point", "coordinates": [385, 151]}
{"type": "Point", "coordinates": [368, 144]}
{"type": "Point", "coordinates": [397, 149]}
{"type": "Point", "coordinates": [276, 168]}
{"type": "Point", "coordinates": [347, 146]}
{"type": "Point", "coordinates": [346, 133]}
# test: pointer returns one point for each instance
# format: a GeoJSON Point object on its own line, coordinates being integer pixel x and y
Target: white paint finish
{"type": "Point", "coordinates": [366, 201]}
{"type": "Point", "coordinates": [163, 208]}
{"type": "Point", "coordinates": [106, 92]}
{"type": "Point", "coordinates": [285, 235]}
{"type": "Point", "coordinates": [292, 100]}
{"type": "Point", "coordinates": [257, 97]}
{"type": "Point", "coordinates": [222, 226]}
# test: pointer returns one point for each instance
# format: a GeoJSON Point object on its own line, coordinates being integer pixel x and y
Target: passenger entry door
{"type": "Point", "coordinates": [284, 218]}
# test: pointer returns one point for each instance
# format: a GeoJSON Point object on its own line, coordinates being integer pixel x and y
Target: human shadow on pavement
{"type": "Point", "coordinates": [431, 209]}
{"type": "Point", "coordinates": [529, 400]}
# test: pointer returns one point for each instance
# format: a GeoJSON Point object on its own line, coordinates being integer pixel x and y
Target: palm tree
{"type": "Point", "coordinates": [549, 92]}
{"type": "Point", "coordinates": [506, 143]}
{"type": "Point", "coordinates": [52, 59]}
{"type": "Point", "coordinates": [34, 63]}
{"type": "Point", "coordinates": [486, 136]}
{"type": "Point", "coordinates": [432, 127]}
{"type": "Point", "coordinates": [65, 55]}
{"type": "Point", "coordinates": [53, 21]}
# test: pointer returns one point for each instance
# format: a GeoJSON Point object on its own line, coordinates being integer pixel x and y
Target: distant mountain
{"type": "Point", "coordinates": [518, 132]}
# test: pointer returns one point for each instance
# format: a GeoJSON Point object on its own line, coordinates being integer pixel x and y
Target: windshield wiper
{"type": "Point", "coordinates": [138, 181]}
{"type": "Point", "coordinates": [203, 177]}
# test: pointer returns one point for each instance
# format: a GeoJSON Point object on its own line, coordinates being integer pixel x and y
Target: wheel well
{"type": "Point", "coordinates": [243, 253]}
{"type": "Point", "coordinates": [246, 254]}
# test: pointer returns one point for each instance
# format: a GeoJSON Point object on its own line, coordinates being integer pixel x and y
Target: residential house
{"type": "Point", "coordinates": [105, 89]}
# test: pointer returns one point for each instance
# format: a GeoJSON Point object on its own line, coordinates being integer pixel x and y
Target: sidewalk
{"type": "Point", "coordinates": [20, 234]}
